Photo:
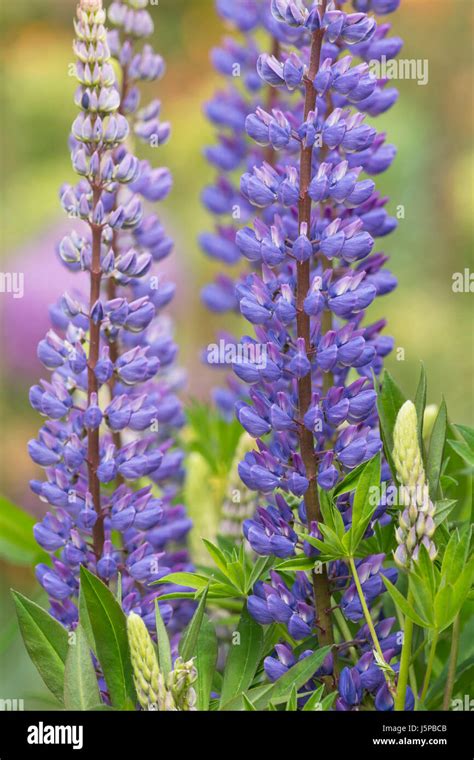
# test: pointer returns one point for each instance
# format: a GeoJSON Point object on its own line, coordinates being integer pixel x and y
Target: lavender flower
{"type": "Point", "coordinates": [312, 277]}
{"type": "Point", "coordinates": [236, 59]}
{"type": "Point", "coordinates": [107, 447]}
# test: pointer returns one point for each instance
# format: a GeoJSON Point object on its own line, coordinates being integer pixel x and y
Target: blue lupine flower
{"type": "Point", "coordinates": [111, 346]}
{"type": "Point", "coordinates": [343, 277]}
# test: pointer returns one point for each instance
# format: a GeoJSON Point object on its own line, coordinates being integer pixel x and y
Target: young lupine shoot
{"type": "Point", "coordinates": [416, 521]}
{"type": "Point", "coordinates": [154, 692]}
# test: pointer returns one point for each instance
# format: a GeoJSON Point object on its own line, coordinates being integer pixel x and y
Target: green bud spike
{"type": "Point", "coordinates": [416, 523]}
{"type": "Point", "coordinates": [406, 451]}
{"type": "Point", "coordinates": [146, 672]}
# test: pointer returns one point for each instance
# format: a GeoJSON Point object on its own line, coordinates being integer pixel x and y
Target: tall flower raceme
{"type": "Point", "coordinates": [314, 398]}
{"type": "Point", "coordinates": [106, 446]}
{"type": "Point", "coordinates": [133, 25]}
{"type": "Point", "coordinates": [236, 59]}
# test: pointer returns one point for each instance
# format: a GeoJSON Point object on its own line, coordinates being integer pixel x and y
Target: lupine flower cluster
{"type": "Point", "coordinates": [236, 59]}
{"type": "Point", "coordinates": [314, 274]}
{"type": "Point", "coordinates": [416, 523]}
{"type": "Point", "coordinates": [107, 446]}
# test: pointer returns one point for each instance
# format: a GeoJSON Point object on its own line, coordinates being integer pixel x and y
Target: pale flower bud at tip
{"type": "Point", "coordinates": [91, 6]}
{"type": "Point", "coordinates": [416, 524]}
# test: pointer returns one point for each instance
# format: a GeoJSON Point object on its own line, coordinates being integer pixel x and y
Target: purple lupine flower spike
{"type": "Point", "coordinates": [313, 272]}
{"type": "Point", "coordinates": [231, 112]}
{"type": "Point", "coordinates": [111, 401]}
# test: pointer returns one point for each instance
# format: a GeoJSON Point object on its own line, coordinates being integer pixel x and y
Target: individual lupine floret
{"type": "Point", "coordinates": [277, 666]}
{"type": "Point", "coordinates": [416, 524]}
{"type": "Point", "coordinates": [370, 573]}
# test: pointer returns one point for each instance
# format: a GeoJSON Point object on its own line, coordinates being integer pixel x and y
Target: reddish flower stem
{"type": "Point", "coordinates": [322, 593]}
{"type": "Point", "coordinates": [93, 452]}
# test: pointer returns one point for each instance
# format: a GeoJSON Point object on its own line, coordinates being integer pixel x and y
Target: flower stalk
{"type": "Point", "coordinates": [322, 592]}
{"type": "Point", "coordinates": [384, 666]}
{"type": "Point", "coordinates": [405, 662]}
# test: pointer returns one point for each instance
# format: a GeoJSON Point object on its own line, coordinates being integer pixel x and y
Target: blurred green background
{"type": "Point", "coordinates": [432, 179]}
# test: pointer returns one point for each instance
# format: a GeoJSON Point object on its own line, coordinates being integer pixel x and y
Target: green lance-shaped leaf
{"type": "Point", "coordinates": [464, 451]}
{"type": "Point", "coordinates": [163, 643]}
{"type": "Point", "coordinates": [389, 401]}
{"type": "Point", "coordinates": [435, 454]}
{"type": "Point", "coordinates": [191, 580]}
{"type": "Point", "coordinates": [404, 605]}
{"type": "Point", "coordinates": [350, 481]}
{"type": "Point", "coordinates": [292, 703]}
{"type": "Point", "coordinates": [420, 404]}
{"type": "Point", "coordinates": [81, 691]}
{"type": "Point", "coordinates": [455, 555]}
{"type": "Point", "coordinates": [46, 641]}
{"type": "Point", "coordinates": [109, 629]}
{"type": "Point", "coordinates": [451, 597]}
{"type": "Point", "coordinates": [364, 506]}
{"type": "Point", "coordinates": [243, 658]}
{"type": "Point", "coordinates": [248, 705]}
{"type": "Point", "coordinates": [314, 702]}
{"type": "Point", "coordinates": [189, 639]}
{"type": "Point", "coordinates": [468, 434]}
{"type": "Point", "coordinates": [206, 660]}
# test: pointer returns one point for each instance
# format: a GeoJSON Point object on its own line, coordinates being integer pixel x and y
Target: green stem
{"type": "Point", "coordinates": [344, 629]}
{"type": "Point", "coordinates": [411, 669]}
{"type": "Point", "coordinates": [429, 666]}
{"type": "Point", "coordinates": [453, 658]}
{"type": "Point", "coordinates": [368, 619]}
{"type": "Point", "coordinates": [404, 660]}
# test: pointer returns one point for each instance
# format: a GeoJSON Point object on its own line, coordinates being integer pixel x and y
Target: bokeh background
{"type": "Point", "coordinates": [432, 179]}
